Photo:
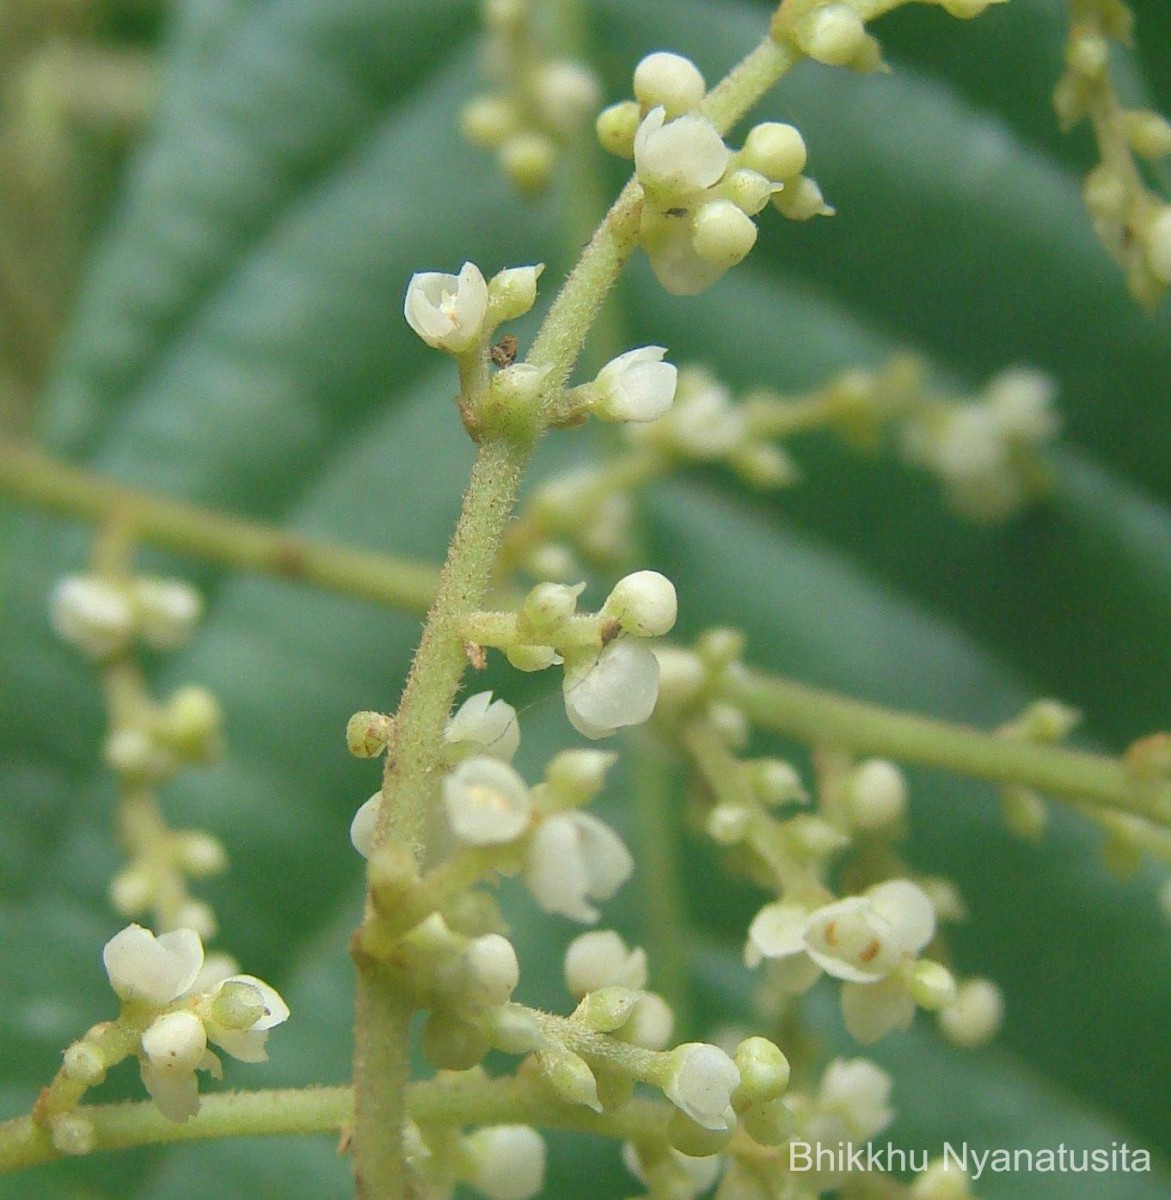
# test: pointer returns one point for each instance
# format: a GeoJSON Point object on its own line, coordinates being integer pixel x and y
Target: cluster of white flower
{"type": "Point", "coordinates": [705, 426]}
{"type": "Point", "coordinates": [537, 103]}
{"type": "Point", "coordinates": [174, 1004]}
{"type": "Point", "coordinates": [697, 219]}
{"type": "Point", "coordinates": [1131, 220]}
{"type": "Point", "coordinates": [986, 452]}
{"type": "Point", "coordinates": [102, 617]}
{"type": "Point", "coordinates": [870, 942]}
{"type": "Point", "coordinates": [571, 858]}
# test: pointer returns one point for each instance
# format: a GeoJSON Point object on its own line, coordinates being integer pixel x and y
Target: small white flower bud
{"type": "Point", "coordinates": [764, 1071]}
{"type": "Point", "coordinates": [834, 35]}
{"type": "Point", "coordinates": [175, 1042]}
{"type": "Point", "coordinates": [618, 688]}
{"type": "Point", "coordinates": [676, 160]}
{"type": "Point", "coordinates": [363, 825]}
{"type": "Point", "coordinates": [606, 1009]}
{"type": "Point", "coordinates": [720, 647]}
{"type": "Point", "coordinates": [548, 607]}
{"type": "Point", "coordinates": [635, 386]}
{"type": "Point", "coordinates": [486, 801]}
{"type": "Point", "coordinates": [932, 985]}
{"type": "Point", "coordinates": [651, 1024]}
{"type": "Point", "coordinates": [728, 823]}
{"type": "Point", "coordinates": [681, 675]}
{"type": "Point", "coordinates": [200, 854]}
{"type": "Point", "coordinates": [492, 967]}
{"type": "Point", "coordinates": [700, 1081]}
{"type": "Point", "coordinates": [505, 1162]}
{"type": "Point", "coordinates": [166, 611]}
{"type": "Point", "coordinates": [92, 615]}
{"type": "Point", "coordinates": [730, 722]}
{"type": "Point", "coordinates": [516, 388]}
{"type": "Point", "coordinates": [764, 465]}
{"type": "Point", "coordinates": [566, 94]}
{"type": "Point", "coordinates": [669, 80]}
{"type": "Point", "coordinates": [569, 1075]}
{"type": "Point", "coordinates": [131, 892]}
{"type": "Point", "coordinates": [551, 560]}
{"type": "Point", "coordinates": [776, 150]}
{"type": "Point", "coordinates": [801, 199]}
{"type": "Point", "coordinates": [722, 234]}
{"type": "Point", "coordinates": [877, 794]}
{"type": "Point", "coordinates": [197, 916]}
{"type": "Point", "coordinates": [528, 159]}
{"type": "Point", "coordinates": [368, 733]}
{"type": "Point", "coordinates": [486, 121]}
{"type": "Point", "coordinates": [83, 1062]}
{"type": "Point", "coordinates": [577, 776]}
{"type": "Point", "coordinates": [482, 725]}
{"type": "Point", "coordinates": [858, 1092]}
{"type": "Point", "coordinates": [1088, 53]}
{"type": "Point", "coordinates": [72, 1133]}
{"type": "Point", "coordinates": [238, 1004]}
{"type": "Point", "coordinates": [775, 781]}
{"type": "Point", "coordinates": [448, 311]}
{"type": "Point", "coordinates": [643, 603]}
{"type": "Point", "coordinates": [191, 724]}
{"type": "Point", "coordinates": [616, 127]}
{"type": "Point", "coordinates": [531, 658]}
{"type": "Point", "coordinates": [602, 959]}
{"type": "Point", "coordinates": [1149, 133]}
{"type": "Point", "coordinates": [975, 1015]}
{"type": "Point", "coordinates": [1158, 246]}
{"type": "Point", "coordinates": [1024, 812]}
{"type": "Point", "coordinates": [512, 292]}
{"type": "Point", "coordinates": [134, 753]}
{"type": "Point", "coordinates": [515, 1029]}
{"type": "Point", "coordinates": [749, 190]}
{"type": "Point", "coordinates": [943, 1180]}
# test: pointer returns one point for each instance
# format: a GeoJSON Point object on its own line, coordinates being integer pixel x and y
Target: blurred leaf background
{"type": "Point", "coordinates": [236, 340]}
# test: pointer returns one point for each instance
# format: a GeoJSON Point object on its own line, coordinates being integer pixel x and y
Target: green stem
{"type": "Point", "coordinates": [455, 1100]}
{"type": "Point", "coordinates": [383, 1009]}
{"type": "Point", "coordinates": [34, 478]}
{"type": "Point", "coordinates": [819, 717]}
{"type": "Point", "coordinates": [657, 823]}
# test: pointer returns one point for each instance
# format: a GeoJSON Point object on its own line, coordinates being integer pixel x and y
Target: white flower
{"type": "Point", "coordinates": [575, 858]}
{"type": "Point", "coordinates": [505, 1162]}
{"type": "Point", "coordinates": [487, 802]}
{"type": "Point", "coordinates": [700, 1082]}
{"type": "Point", "coordinates": [175, 1045]}
{"type": "Point", "coordinates": [669, 242]}
{"type": "Point", "coordinates": [618, 688]}
{"type": "Point", "coordinates": [872, 1010]}
{"type": "Point", "coordinates": [363, 825]}
{"type": "Point", "coordinates": [142, 967]}
{"type": "Point", "coordinates": [863, 938]}
{"type": "Point", "coordinates": [167, 610]}
{"type": "Point", "coordinates": [448, 311]}
{"type": "Point", "coordinates": [644, 603]}
{"type": "Point", "coordinates": [857, 1092]}
{"type": "Point", "coordinates": [676, 160]}
{"type": "Point", "coordinates": [602, 959]}
{"type": "Point", "coordinates": [241, 1011]}
{"type": "Point", "coordinates": [92, 615]}
{"type": "Point", "coordinates": [482, 725]}
{"type": "Point", "coordinates": [635, 386]}
{"type": "Point", "coordinates": [974, 1016]}
{"type": "Point", "coordinates": [877, 794]}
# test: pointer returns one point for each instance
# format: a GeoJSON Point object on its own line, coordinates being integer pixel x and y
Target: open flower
{"type": "Point", "coordinates": [617, 688]}
{"type": "Point", "coordinates": [482, 725]}
{"type": "Point", "coordinates": [487, 802]}
{"type": "Point", "coordinates": [448, 311]}
{"type": "Point", "coordinates": [677, 160]}
{"type": "Point", "coordinates": [575, 858]}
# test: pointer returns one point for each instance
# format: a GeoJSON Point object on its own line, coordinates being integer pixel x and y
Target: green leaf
{"type": "Point", "coordinates": [238, 342]}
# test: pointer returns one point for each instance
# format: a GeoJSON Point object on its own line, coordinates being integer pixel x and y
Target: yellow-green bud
{"type": "Point", "coordinates": [774, 149]}
{"type": "Point", "coordinates": [528, 159]}
{"type": "Point", "coordinates": [769, 1122]}
{"type": "Point", "coordinates": [616, 127]}
{"type": "Point", "coordinates": [722, 233]}
{"type": "Point", "coordinates": [368, 733]}
{"type": "Point", "coordinates": [238, 1005]}
{"type": "Point", "coordinates": [84, 1063]}
{"type": "Point", "coordinates": [764, 1072]}
{"type": "Point", "coordinates": [191, 724]}
{"type": "Point", "coordinates": [1149, 133]}
{"type": "Point", "coordinates": [834, 35]}
{"type": "Point", "coordinates": [569, 1075]}
{"type": "Point", "coordinates": [692, 1138]}
{"type": "Point", "coordinates": [487, 121]}
{"type": "Point", "coordinates": [801, 200]}
{"type": "Point", "coordinates": [607, 1009]}
{"type": "Point", "coordinates": [932, 985]}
